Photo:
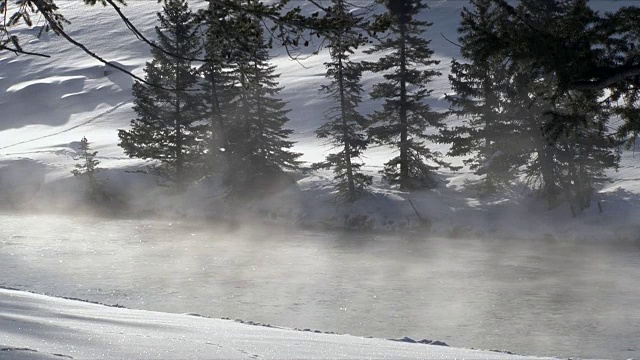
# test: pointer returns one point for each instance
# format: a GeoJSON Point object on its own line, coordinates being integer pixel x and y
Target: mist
{"type": "Point", "coordinates": [545, 297]}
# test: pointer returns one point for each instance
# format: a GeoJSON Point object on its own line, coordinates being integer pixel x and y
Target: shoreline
{"type": "Point", "coordinates": [26, 304]}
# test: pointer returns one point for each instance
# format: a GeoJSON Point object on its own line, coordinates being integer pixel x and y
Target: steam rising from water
{"type": "Point", "coordinates": [532, 297]}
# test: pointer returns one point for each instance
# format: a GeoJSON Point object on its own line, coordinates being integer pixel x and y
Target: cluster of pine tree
{"type": "Point", "coordinates": [404, 118]}
{"type": "Point", "coordinates": [223, 117]}
{"type": "Point", "coordinates": [519, 120]}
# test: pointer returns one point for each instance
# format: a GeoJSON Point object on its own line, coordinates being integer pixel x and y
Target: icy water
{"type": "Point", "coordinates": [531, 297]}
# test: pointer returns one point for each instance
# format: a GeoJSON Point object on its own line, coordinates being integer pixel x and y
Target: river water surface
{"type": "Point", "coordinates": [530, 297]}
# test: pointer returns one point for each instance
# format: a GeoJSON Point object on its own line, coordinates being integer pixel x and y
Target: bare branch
{"type": "Point", "coordinates": [139, 35]}
{"type": "Point", "coordinates": [54, 25]}
{"type": "Point", "coordinates": [19, 51]}
{"type": "Point", "coordinates": [319, 6]}
{"type": "Point", "coordinates": [512, 11]}
{"type": "Point", "coordinates": [453, 43]}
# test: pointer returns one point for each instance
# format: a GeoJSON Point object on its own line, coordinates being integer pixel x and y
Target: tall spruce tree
{"type": "Point", "coordinates": [405, 117]}
{"type": "Point", "coordinates": [257, 139]}
{"type": "Point", "coordinates": [479, 84]}
{"type": "Point", "coordinates": [168, 127]}
{"type": "Point", "coordinates": [217, 84]}
{"type": "Point", "coordinates": [345, 127]}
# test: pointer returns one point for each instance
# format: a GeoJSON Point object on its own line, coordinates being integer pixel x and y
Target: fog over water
{"type": "Point", "coordinates": [532, 297]}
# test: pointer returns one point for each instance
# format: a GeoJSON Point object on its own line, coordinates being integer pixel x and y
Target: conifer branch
{"type": "Point", "coordinates": [616, 76]}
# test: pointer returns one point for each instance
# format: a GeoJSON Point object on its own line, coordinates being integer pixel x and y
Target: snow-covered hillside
{"type": "Point", "coordinates": [48, 105]}
{"type": "Point", "coordinates": [41, 327]}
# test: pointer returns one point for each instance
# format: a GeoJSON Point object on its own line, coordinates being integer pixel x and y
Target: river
{"type": "Point", "coordinates": [540, 297]}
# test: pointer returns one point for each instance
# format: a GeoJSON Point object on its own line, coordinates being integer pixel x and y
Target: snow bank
{"type": "Point", "coordinates": [40, 327]}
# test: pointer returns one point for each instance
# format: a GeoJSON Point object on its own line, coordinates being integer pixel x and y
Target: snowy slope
{"type": "Point", "coordinates": [40, 327]}
{"type": "Point", "coordinates": [48, 105]}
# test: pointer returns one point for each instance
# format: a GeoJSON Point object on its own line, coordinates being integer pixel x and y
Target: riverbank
{"type": "Point", "coordinates": [41, 327]}
{"type": "Point", "coordinates": [453, 210]}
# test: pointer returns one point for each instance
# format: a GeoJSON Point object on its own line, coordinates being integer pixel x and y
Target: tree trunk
{"type": "Point", "coordinates": [345, 133]}
{"type": "Point", "coordinates": [260, 132]}
{"type": "Point", "coordinates": [404, 146]}
{"type": "Point", "coordinates": [218, 133]}
{"type": "Point", "coordinates": [546, 168]}
{"type": "Point", "coordinates": [178, 126]}
{"type": "Point", "coordinates": [487, 94]}
{"type": "Point", "coordinates": [217, 123]}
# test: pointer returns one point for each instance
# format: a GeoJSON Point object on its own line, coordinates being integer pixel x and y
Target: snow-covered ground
{"type": "Point", "coordinates": [42, 327]}
{"type": "Point", "coordinates": [48, 105]}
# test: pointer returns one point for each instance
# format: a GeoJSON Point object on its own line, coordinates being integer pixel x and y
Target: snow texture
{"type": "Point", "coordinates": [39, 327]}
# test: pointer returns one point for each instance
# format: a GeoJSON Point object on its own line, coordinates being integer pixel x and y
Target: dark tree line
{"type": "Point", "coordinates": [225, 117]}
{"type": "Point", "coordinates": [536, 86]}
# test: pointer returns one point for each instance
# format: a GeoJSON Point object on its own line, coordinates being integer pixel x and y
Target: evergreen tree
{"type": "Point", "coordinates": [168, 127]}
{"type": "Point", "coordinates": [567, 128]}
{"type": "Point", "coordinates": [621, 46]}
{"type": "Point", "coordinates": [405, 117]}
{"type": "Point", "coordinates": [479, 85]}
{"type": "Point", "coordinates": [257, 140]}
{"type": "Point", "coordinates": [88, 168]}
{"type": "Point", "coordinates": [345, 126]}
{"type": "Point", "coordinates": [584, 51]}
{"type": "Point", "coordinates": [629, 112]}
{"type": "Point", "coordinates": [519, 110]}
{"type": "Point", "coordinates": [217, 84]}
{"type": "Point", "coordinates": [528, 110]}
{"type": "Point", "coordinates": [569, 166]}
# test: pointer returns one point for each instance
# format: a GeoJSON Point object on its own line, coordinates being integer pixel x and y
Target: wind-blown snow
{"type": "Point", "coordinates": [40, 327]}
